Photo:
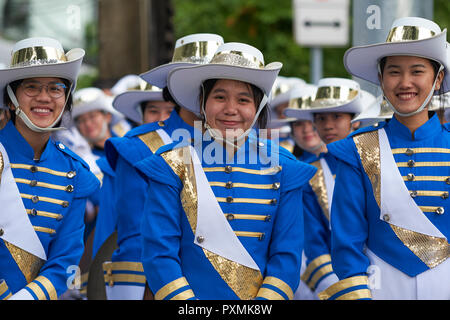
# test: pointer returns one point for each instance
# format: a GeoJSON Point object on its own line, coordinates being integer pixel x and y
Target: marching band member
{"type": "Point", "coordinates": [390, 206]}
{"type": "Point", "coordinates": [223, 218]}
{"type": "Point", "coordinates": [124, 277]}
{"type": "Point", "coordinates": [308, 145]}
{"type": "Point", "coordinates": [336, 102]}
{"type": "Point", "coordinates": [44, 185]}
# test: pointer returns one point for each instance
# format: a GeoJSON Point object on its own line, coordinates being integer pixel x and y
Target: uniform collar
{"type": "Point", "coordinates": [428, 129]}
{"type": "Point", "coordinates": [13, 140]}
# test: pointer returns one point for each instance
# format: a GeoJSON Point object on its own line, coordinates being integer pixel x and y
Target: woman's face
{"type": "Point", "coordinates": [230, 107]}
{"type": "Point", "coordinates": [306, 135]}
{"type": "Point", "coordinates": [41, 99]}
{"type": "Point", "coordinates": [333, 126]}
{"type": "Point", "coordinates": [157, 111]}
{"type": "Point", "coordinates": [407, 81]}
{"type": "Point", "coordinates": [94, 125]}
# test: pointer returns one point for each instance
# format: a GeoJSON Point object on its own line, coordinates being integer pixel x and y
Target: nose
{"type": "Point", "coordinates": [43, 94]}
{"type": "Point", "coordinates": [230, 107]}
{"type": "Point", "coordinates": [405, 81]}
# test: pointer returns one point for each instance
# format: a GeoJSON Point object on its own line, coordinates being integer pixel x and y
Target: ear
{"type": "Point", "coordinates": [439, 80]}
{"type": "Point", "coordinates": [356, 125]}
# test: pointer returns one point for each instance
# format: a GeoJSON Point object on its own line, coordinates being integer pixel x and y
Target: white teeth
{"type": "Point", "coordinates": [42, 110]}
{"type": "Point", "coordinates": [406, 95]}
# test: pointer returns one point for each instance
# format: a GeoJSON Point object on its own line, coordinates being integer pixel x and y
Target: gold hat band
{"type": "Point", "coordinates": [333, 96]}
{"type": "Point", "coordinates": [199, 52]}
{"type": "Point", "coordinates": [237, 58]}
{"type": "Point", "coordinates": [409, 33]}
{"type": "Point", "coordinates": [300, 103]}
{"type": "Point", "coordinates": [37, 56]}
{"type": "Point", "coordinates": [144, 86]}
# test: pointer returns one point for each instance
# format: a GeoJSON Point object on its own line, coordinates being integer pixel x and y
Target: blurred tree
{"type": "Point", "coordinates": [267, 25]}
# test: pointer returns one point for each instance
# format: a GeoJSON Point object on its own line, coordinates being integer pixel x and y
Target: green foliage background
{"type": "Point", "coordinates": [267, 25]}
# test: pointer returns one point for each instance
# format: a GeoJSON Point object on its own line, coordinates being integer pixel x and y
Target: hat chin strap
{"type": "Point", "coordinates": [27, 121]}
{"type": "Point", "coordinates": [424, 104]}
{"type": "Point", "coordinates": [235, 140]}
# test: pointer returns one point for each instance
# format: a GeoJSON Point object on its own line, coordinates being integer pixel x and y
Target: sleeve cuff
{"type": "Point", "coordinates": [354, 288]}
{"type": "Point", "coordinates": [317, 270]}
{"type": "Point", "coordinates": [5, 293]}
{"type": "Point", "coordinates": [275, 289]}
{"type": "Point", "coordinates": [176, 290]}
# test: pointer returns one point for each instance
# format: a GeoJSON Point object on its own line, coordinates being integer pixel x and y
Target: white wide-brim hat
{"type": "Point", "coordinates": [376, 111]}
{"type": "Point", "coordinates": [41, 57]}
{"type": "Point", "coordinates": [232, 61]}
{"type": "Point", "coordinates": [129, 102]}
{"type": "Point", "coordinates": [337, 95]}
{"type": "Point", "coordinates": [281, 90]}
{"type": "Point", "coordinates": [300, 103]}
{"type": "Point", "coordinates": [198, 48]}
{"type": "Point", "coordinates": [93, 99]}
{"type": "Point", "coordinates": [410, 36]}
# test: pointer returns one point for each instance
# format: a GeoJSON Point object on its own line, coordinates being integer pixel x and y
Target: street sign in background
{"type": "Point", "coordinates": [321, 23]}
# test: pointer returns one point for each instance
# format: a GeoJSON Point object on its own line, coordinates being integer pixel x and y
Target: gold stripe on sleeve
{"type": "Point", "coordinates": [280, 284]}
{"type": "Point", "coordinates": [187, 294]}
{"type": "Point", "coordinates": [170, 287]}
{"type": "Point", "coordinates": [269, 294]}
{"type": "Point", "coordinates": [355, 295]}
{"type": "Point", "coordinates": [48, 285]}
{"type": "Point", "coordinates": [37, 290]}
{"type": "Point", "coordinates": [342, 285]}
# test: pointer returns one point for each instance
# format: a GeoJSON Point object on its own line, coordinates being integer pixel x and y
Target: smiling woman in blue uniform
{"type": "Point", "coordinates": [44, 185]}
{"type": "Point", "coordinates": [394, 226]}
{"type": "Point", "coordinates": [124, 277]}
{"type": "Point", "coordinates": [228, 226]}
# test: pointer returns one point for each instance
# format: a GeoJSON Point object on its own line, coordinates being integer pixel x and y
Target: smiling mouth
{"type": "Point", "coordinates": [229, 123]}
{"type": "Point", "coordinates": [406, 96]}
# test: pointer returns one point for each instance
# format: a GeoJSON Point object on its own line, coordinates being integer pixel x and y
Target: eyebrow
{"type": "Point", "coordinates": [413, 66]}
{"type": "Point", "coordinates": [244, 93]}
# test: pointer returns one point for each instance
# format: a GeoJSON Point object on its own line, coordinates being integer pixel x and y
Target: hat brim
{"type": "Point", "coordinates": [299, 114]}
{"type": "Point", "coordinates": [185, 83]}
{"type": "Point", "coordinates": [66, 70]}
{"type": "Point", "coordinates": [362, 61]}
{"type": "Point", "coordinates": [158, 75]}
{"type": "Point", "coordinates": [128, 103]}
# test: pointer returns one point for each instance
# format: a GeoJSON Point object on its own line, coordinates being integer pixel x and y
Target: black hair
{"type": "Point", "coordinates": [168, 97]}
{"type": "Point", "coordinates": [258, 95]}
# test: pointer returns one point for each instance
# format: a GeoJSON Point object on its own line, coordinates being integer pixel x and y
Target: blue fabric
{"type": "Point", "coordinates": [168, 249]}
{"type": "Point", "coordinates": [64, 246]}
{"type": "Point", "coordinates": [355, 214]}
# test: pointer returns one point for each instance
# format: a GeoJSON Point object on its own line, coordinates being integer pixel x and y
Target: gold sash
{"type": "Point", "coordinates": [244, 281]}
{"type": "Point", "coordinates": [319, 187]}
{"type": "Point", "coordinates": [152, 140]}
{"type": "Point", "coordinates": [29, 264]}
{"type": "Point", "coordinates": [431, 250]}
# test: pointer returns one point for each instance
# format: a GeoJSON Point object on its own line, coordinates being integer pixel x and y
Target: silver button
{"type": "Point", "coordinates": [229, 199]}
{"type": "Point", "coordinates": [411, 163]}
{"type": "Point", "coordinates": [230, 216]}
{"type": "Point", "coordinates": [65, 204]}
{"type": "Point", "coordinates": [2, 232]}
{"type": "Point", "coordinates": [161, 123]}
{"type": "Point", "coordinates": [229, 185]}
{"type": "Point", "coordinates": [444, 195]}
{"type": "Point", "coordinates": [440, 210]}
{"type": "Point", "coordinates": [35, 199]}
{"type": "Point", "coordinates": [261, 144]}
{"type": "Point", "coordinates": [69, 188]}
{"type": "Point", "coordinates": [261, 237]}
{"type": "Point", "coordinates": [413, 193]}
{"type": "Point", "coordinates": [386, 217]}
{"type": "Point", "coordinates": [70, 174]}
{"type": "Point", "coordinates": [61, 146]}
{"type": "Point", "coordinates": [409, 152]}
{"type": "Point", "coordinates": [200, 239]}
{"type": "Point", "coordinates": [228, 169]}
{"type": "Point", "coordinates": [33, 212]}
{"type": "Point", "coordinates": [447, 181]}
{"type": "Point", "coordinates": [276, 186]}
{"type": "Point", "coordinates": [410, 177]}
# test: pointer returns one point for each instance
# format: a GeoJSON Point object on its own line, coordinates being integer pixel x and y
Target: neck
{"type": "Point", "coordinates": [188, 116]}
{"type": "Point", "coordinates": [36, 140]}
{"type": "Point", "coordinates": [413, 122]}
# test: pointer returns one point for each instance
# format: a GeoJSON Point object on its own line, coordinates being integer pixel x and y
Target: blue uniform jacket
{"type": "Point", "coordinates": [422, 159]}
{"type": "Point", "coordinates": [263, 206]}
{"type": "Point", "coordinates": [130, 187]}
{"type": "Point", "coordinates": [54, 190]}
